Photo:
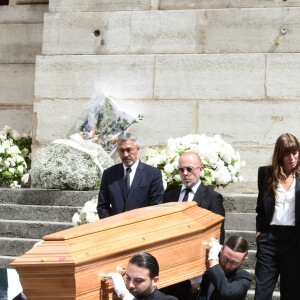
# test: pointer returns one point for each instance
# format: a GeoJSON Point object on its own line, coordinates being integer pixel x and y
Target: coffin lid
{"type": "Point", "coordinates": [117, 235]}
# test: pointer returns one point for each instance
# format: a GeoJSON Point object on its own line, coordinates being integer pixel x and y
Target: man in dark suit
{"type": "Point", "coordinates": [142, 277]}
{"type": "Point", "coordinates": [130, 184]}
{"type": "Point", "coordinates": [190, 168]}
{"type": "Point", "coordinates": [224, 279]}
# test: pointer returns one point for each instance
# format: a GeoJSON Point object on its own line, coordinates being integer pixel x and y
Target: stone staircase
{"type": "Point", "coordinates": [26, 215]}
{"type": "Point", "coordinates": [240, 220]}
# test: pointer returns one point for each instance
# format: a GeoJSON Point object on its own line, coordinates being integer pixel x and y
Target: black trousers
{"type": "Point", "coordinates": [277, 253]}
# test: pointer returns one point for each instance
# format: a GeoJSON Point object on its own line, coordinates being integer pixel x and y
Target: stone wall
{"type": "Point", "coordinates": [21, 29]}
{"type": "Point", "coordinates": [215, 67]}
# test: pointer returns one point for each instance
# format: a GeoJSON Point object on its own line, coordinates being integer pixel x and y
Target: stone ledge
{"type": "Point", "coordinates": [45, 197]}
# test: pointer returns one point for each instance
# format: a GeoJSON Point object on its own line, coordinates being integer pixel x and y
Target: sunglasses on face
{"type": "Point", "coordinates": [188, 169]}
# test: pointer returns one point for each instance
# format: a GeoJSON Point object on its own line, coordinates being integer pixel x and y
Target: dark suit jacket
{"type": "Point", "coordinates": [146, 189]}
{"type": "Point", "coordinates": [157, 295]}
{"type": "Point", "coordinates": [232, 286]}
{"type": "Point", "coordinates": [266, 202]}
{"type": "Point", "coordinates": [205, 198]}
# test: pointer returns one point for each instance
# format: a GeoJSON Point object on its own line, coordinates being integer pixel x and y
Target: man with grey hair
{"type": "Point", "coordinates": [130, 184]}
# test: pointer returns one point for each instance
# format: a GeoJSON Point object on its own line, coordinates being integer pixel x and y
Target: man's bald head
{"type": "Point", "coordinates": [192, 156]}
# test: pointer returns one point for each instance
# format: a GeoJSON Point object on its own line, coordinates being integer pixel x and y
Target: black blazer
{"type": "Point", "coordinates": [231, 286]}
{"type": "Point", "coordinates": [205, 198]}
{"type": "Point", "coordinates": [146, 189]}
{"type": "Point", "coordinates": [266, 202]}
{"type": "Point", "coordinates": [157, 295]}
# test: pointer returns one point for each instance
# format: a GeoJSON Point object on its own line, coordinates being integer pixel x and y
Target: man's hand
{"type": "Point", "coordinates": [119, 284]}
{"type": "Point", "coordinates": [214, 250]}
{"type": "Point", "coordinates": [258, 234]}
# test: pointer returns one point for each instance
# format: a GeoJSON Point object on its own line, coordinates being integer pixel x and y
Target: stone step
{"type": "Point", "coordinates": [250, 295]}
{"type": "Point", "coordinates": [251, 261]}
{"type": "Point", "coordinates": [252, 273]}
{"type": "Point", "coordinates": [240, 221]}
{"type": "Point", "coordinates": [30, 229]}
{"type": "Point", "coordinates": [6, 260]}
{"type": "Point", "coordinates": [249, 236]}
{"type": "Point", "coordinates": [45, 197]}
{"type": "Point", "coordinates": [37, 212]}
{"type": "Point", "coordinates": [240, 203]}
{"type": "Point", "coordinates": [15, 246]}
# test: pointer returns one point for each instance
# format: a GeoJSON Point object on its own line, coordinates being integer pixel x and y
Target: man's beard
{"type": "Point", "coordinates": [191, 184]}
{"type": "Point", "coordinates": [128, 163]}
{"type": "Point", "coordinates": [145, 293]}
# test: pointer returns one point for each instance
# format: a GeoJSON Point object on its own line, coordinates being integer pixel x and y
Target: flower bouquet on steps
{"type": "Point", "coordinates": [77, 163]}
{"type": "Point", "coordinates": [101, 121]}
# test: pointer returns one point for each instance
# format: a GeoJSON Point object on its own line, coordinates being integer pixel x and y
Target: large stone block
{"type": "Point", "coordinates": [61, 28]}
{"type": "Point", "coordinates": [162, 119]}
{"type": "Point", "coordinates": [94, 5]}
{"type": "Point", "coordinates": [23, 14]}
{"type": "Point", "coordinates": [20, 43]}
{"type": "Point", "coordinates": [249, 123]}
{"type": "Point", "coordinates": [283, 80]}
{"type": "Point", "coordinates": [54, 119]}
{"type": "Point", "coordinates": [210, 76]}
{"type": "Point", "coordinates": [17, 118]}
{"type": "Point", "coordinates": [120, 76]}
{"type": "Point", "coordinates": [168, 32]}
{"type": "Point", "coordinates": [125, 32]}
{"type": "Point", "coordinates": [253, 30]}
{"type": "Point", "coordinates": [16, 83]}
{"type": "Point", "coordinates": [194, 4]}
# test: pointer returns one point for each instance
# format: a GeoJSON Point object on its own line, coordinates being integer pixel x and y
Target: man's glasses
{"type": "Point", "coordinates": [188, 169]}
{"type": "Point", "coordinates": [128, 150]}
{"type": "Point", "coordinates": [226, 260]}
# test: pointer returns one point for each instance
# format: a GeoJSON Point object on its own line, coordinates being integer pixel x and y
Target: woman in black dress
{"type": "Point", "coordinates": [278, 222]}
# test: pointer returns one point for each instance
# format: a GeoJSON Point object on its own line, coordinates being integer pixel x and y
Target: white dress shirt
{"type": "Point", "coordinates": [133, 170]}
{"type": "Point", "coordinates": [284, 213]}
{"type": "Point", "coordinates": [191, 194]}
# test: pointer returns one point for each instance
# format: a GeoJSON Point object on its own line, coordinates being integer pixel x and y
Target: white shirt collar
{"type": "Point", "coordinates": [194, 188]}
{"type": "Point", "coordinates": [133, 167]}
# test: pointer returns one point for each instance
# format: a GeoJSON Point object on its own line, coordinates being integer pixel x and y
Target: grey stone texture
{"type": "Point", "coordinates": [248, 30]}
{"type": "Point", "coordinates": [16, 84]}
{"type": "Point", "coordinates": [21, 42]}
{"type": "Point", "coordinates": [21, 29]}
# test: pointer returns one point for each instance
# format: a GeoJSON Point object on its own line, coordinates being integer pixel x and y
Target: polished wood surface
{"type": "Point", "coordinates": [67, 264]}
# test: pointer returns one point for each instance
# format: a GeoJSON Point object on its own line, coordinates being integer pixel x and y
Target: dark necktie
{"type": "Point", "coordinates": [127, 180]}
{"type": "Point", "coordinates": [186, 195]}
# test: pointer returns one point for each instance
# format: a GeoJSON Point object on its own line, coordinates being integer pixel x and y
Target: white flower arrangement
{"type": "Point", "coordinates": [87, 214]}
{"type": "Point", "coordinates": [220, 161]}
{"type": "Point", "coordinates": [60, 166]}
{"type": "Point", "coordinates": [13, 168]}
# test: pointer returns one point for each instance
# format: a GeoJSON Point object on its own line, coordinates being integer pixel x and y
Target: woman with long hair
{"type": "Point", "coordinates": [278, 222]}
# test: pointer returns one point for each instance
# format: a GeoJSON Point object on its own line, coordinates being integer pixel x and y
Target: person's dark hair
{"type": "Point", "coordinates": [123, 137]}
{"type": "Point", "coordinates": [285, 144]}
{"type": "Point", "coordinates": [147, 261]}
{"type": "Point", "coordinates": [237, 244]}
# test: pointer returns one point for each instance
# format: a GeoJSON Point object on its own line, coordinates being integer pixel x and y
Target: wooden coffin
{"type": "Point", "coordinates": [67, 264]}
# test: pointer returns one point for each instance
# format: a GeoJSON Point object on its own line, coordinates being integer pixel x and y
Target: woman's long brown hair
{"type": "Point", "coordinates": [286, 143]}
